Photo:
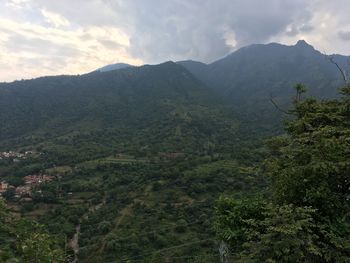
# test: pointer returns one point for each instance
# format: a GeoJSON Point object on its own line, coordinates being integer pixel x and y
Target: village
{"type": "Point", "coordinates": [26, 190]}
{"type": "Point", "coordinates": [17, 156]}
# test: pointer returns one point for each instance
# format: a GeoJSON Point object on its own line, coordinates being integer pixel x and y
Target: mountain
{"type": "Point", "coordinates": [114, 67]}
{"type": "Point", "coordinates": [177, 102]}
{"type": "Point", "coordinates": [129, 150]}
{"type": "Point", "coordinates": [162, 107]}
{"type": "Point", "coordinates": [248, 78]}
{"type": "Point", "coordinates": [253, 73]}
{"type": "Point", "coordinates": [136, 158]}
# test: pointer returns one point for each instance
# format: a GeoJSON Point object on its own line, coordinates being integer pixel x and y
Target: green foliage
{"type": "Point", "coordinates": [308, 219]}
{"type": "Point", "coordinates": [261, 232]}
{"type": "Point", "coordinates": [31, 241]}
{"type": "Point", "coordinates": [233, 218]}
{"type": "Point", "coordinates": [143, 153]}
{"type": "Point", "coordinates": [285, 234]}
{"type": "Point", "coordinates": [249, 76]}
{"type": "Point", "coordinates": [73, 119]}
{"type": "Point", "coordinates": [35, 245]}
{"type": "Point", "coordinates": [312, 166]}
{"type": "Point", "coordinates": [181, 226]}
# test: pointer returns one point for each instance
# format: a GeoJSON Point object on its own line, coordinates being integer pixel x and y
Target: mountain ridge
{"type": "Point", "coordinates": [115, 66]}
{"type": "Point", "coordinates": [292, 64]}
{"type": "Point", "coordinates": [242, 83]}
{"type": "Point", "coordinates": [162, 101]}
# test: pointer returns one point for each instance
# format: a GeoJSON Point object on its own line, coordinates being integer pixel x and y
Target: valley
{"type": "Point", "coordinates": [133, 164]}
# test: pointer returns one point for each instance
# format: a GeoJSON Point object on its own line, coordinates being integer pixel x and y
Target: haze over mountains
{"type": "Point", "coordinates": [257, 70]}
{"type": "Point", "coordinates": [113, 67]}
{"type": "Point", "coordinates": [138, 97]}
{"type": "Point", "coordinates": [266, 69]}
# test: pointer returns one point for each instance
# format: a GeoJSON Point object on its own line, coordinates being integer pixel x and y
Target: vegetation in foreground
{"type": "Point", "coordinates": [151, 211]}
{"type": "Point", "coordinates": [307, 218]}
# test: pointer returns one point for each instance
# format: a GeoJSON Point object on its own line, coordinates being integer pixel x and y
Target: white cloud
{"type": "Point", "coordinates": [230, 39]}
{"type": "Point", "coordinates": [55, 19]}
{"type": "Point", "coordinates": [324, 29]}
{"type": "Point", "coordinates": [53, 45]}
{"type": "Point", "coordinates": [39, 37]}
{"type": "Point", "coordinates": [16, 3]}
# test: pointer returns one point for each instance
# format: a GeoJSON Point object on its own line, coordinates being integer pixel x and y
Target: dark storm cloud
{"type": "Point", "coordinates": [199, 29]}
{"type": "Point", "coordinates": [178, 29]}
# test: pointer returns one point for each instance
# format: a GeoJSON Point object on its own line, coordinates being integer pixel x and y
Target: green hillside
{"type": "Point", "coordinates": [170, 163]}
{"type": "Point", "coordinates": [142, 110]}
{"type": "Point", "coordinates": [249, 77]}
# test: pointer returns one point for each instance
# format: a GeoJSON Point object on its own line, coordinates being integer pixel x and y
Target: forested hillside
{"type": "Point", "coordinates": [251, 76]}
{"type": "Point", "coordinates": [179, 162]}
{"type": "Point", "coordinates": [152, 109]}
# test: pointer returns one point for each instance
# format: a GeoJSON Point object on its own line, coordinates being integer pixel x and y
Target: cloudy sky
{"type": "Point", "coordinates": [50, 37]}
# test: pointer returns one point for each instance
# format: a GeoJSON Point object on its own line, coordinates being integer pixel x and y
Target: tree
{"type": "Point", "coordinates": [26, 241]}
{"type": "Point", "coordinates": [308, 219]}
{"type": "Point", "coordinates": [311, 166]}
{"type": "Point", "coordinates": [258, 231]}
{"type": "Point", "coordinates": [284, 235]}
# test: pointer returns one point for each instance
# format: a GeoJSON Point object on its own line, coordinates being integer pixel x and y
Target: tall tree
{"type": "Point", "coordinates": [308, 219]}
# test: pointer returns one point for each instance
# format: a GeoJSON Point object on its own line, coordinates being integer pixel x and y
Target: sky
{"type": "Point", "coordinates": [52, 37]}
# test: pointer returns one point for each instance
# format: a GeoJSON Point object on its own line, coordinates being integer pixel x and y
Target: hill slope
{"type": "Point", "coordinates": [166, 106]}
{"type": "Point", "coordinates": [254, 72]}
{"type": "Point", "coordinates": [248, 78]}
{"type": "Point", "coordinates": [113, 67]}
{"type": "Point", "coordinates": [161, 107]}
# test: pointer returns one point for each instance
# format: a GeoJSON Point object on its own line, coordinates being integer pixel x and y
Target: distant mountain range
{"type": "Point", "coordinates": [258, 71]}
{"type": "Point", "coordinates": [184, 102]}
{"type": "Point", "coordinates": [114, 67]}
{"type": "Point", "coordinates": [248, 78]}
{"type": "Point", "coordinates": [253, 72]}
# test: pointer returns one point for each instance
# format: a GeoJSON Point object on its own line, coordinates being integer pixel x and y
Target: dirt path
{"type": "Point", "coordinates": [125, 212]}
{"type": "Point", "coordinates": [122, 214]}
{"type": "Point", "coordinates": [119, 220]}
{"type": "Point", "coordinates": [74, 242]}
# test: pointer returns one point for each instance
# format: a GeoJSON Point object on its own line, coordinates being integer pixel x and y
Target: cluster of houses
{"type": "Point", "coordinates": [30, 182]}
{"type": "Point", "coordinates": [34, 180]}
{"type": "Point", "coordinates": [4, 187]}
{"type": "Point", "coordinates": [16, 156]}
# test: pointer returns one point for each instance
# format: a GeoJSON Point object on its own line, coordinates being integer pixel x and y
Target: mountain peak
{"type": "Point", "coordinates": [302, 43]}
{"type": "Point", "coordinates": [114, 67]}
